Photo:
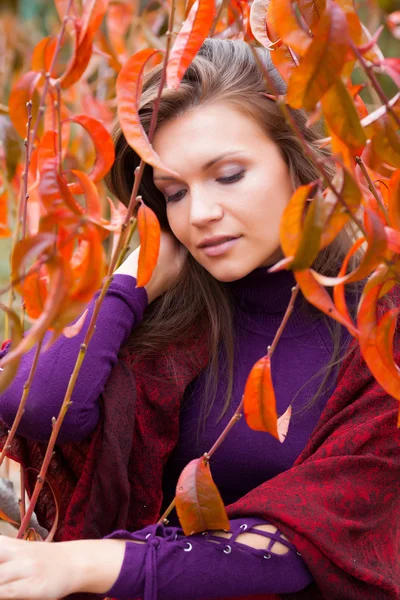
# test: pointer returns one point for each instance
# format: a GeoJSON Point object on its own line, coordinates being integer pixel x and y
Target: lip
{"type": "Point", "coordinates": [217, 245]}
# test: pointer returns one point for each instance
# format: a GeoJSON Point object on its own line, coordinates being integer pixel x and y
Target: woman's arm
{"type": "Point", "coordinates": [122, 309]}
{"type": "Point", "coordinates": [157, 562]}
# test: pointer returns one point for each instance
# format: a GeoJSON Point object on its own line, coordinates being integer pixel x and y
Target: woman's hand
{"type": "Point", "coordinates": [170, 262]}
{"type": "Point", "coordinates": [40, 571]}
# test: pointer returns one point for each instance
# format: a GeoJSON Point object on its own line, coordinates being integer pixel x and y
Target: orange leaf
{"type": "Point", "coordinates": [393, 237]}
{"type": "Point", "coordinates": [258, 22]}
{"type": "Point", "coordinates": [54, 191]}
{"type": "Point", "coordinates": [292, 219]}
{"type": "Point", "coordinates": [43, 54]}
{"type": "Point", "coordinates": [337, 215]}
{"type": "Point", "coordinates": [323, 62]}
{"type": "Point", "coordinates": [80, 58]}
{"type": "Point", "coordinates": [34, 293]}
{"type": "Point", "coordinates": [342, 117]}
{"type": "Point", "coordinates": [92, 16]}
{"type": "Point", "coordinates": [198, 502]}
{"type": "Point", "coordinates": [129, 83]}
{"type": "Point", "coordinates": [73, 330]}
{"type": "Point", "coordinates": [281, 19]}
{"type": "Point", "coordinates": [338, 290]}
{"type": "Point", "coordinates": [103, 144]}
{"type": "Point", "coordinates": [259, 399]}
{"type": "Point", "coordinates": [385, 370]}
{"type": "Point", "coordinates": [188, 41]}
{"type": "Point", "coordinates": [8, 372]}
{"type": "Point", "coordinates": [310, 240]}
{"type": "Point", "coordinates": [311, 11]}
{"type": "Point", "coordinates": [4, 230]}
{"type": "Point", "coordinates": [4, 517]}
{"type": "Point", "coordinates": [394, 200]}
{"type": "Point", "coordinates": [23, 91]}
{"type": "Point", "coordinates": [149, 232]}
{"type": "Point", "coordinates": [317, 295]}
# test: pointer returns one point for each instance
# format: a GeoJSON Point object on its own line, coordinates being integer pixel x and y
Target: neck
{"type": "Point", "coordinates": [261, 299]}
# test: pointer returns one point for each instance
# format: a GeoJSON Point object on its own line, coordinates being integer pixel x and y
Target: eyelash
{"type": "Point", "coordinates": [224, 180]}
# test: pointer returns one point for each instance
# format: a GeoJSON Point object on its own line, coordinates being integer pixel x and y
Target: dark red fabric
{"type": "Point", "coordinates": [339, 504]}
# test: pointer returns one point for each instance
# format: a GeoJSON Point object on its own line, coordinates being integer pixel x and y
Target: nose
{"type": "Point", "coordinates": [204, 208]}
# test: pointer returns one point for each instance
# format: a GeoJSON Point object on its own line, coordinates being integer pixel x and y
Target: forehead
{"type": "Point", "coordinates": [204, 132]}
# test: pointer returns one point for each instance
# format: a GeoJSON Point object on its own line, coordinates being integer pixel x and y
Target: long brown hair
{"type": "Point", "coordinates": [223, 71]}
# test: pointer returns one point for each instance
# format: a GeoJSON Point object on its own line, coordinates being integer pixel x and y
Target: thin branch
{"type": "Point", "coordinates": [375, 83]}
{"type": "Point", "coordinates": [163, 520]}
{"type": "Point", "coordinates": [372, 187]}
{"type": "Point", "coordinates": [289, 310]}
{"type": "Point", "coordinates": [21, 407]}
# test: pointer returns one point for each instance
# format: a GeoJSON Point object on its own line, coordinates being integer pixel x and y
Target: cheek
{"type": "Point", "coordinates": [178, 223]}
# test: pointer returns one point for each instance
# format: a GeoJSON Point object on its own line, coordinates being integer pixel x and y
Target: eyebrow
{"type": "Point", "coordinates": [206, 166]}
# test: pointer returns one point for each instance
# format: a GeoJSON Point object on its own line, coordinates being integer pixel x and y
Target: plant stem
{"type": "Point", "coordinates": [372, 187]}
{"type": "Point", "coordinates": [21, 407]}
{"type": "Point", "coordinates": [289, 310]}
{"type": "Point", "coordinates": [22, 507]}
{"type": "Point", "coordinates": [207, 455]}
{"type": "Point", "coordinates": [375, 83]}
{"type": "Point", "coordinates": [49, 450]}
{"type": "Point", "coordinates": [24, 191]}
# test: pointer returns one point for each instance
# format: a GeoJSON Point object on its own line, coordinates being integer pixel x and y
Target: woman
{"type": "Point", "coordinates": [166, 369]}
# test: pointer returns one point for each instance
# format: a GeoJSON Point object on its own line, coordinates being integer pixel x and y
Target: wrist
{"type": "Point", "coordinates": [95, 564]}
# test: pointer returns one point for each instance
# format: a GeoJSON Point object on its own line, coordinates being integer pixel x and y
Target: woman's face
{"type": "Point", "coordinates": [233, 186]}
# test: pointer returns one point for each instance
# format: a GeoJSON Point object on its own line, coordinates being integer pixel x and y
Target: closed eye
{"type": "Point", "coordinates": [175, 197]}
{"type": "Point", "coordinates": [232, 178]}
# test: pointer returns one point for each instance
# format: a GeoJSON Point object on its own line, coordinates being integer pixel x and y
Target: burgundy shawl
{"type": "Point", "coordinates": [339, 503]}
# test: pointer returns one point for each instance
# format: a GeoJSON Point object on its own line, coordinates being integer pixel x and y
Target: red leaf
{"type": "Point", "coordinates": [198, 502]}
{"type": "Point", "coordinates": [339, 290]}
{"type": "Point", "coordinates": [394, 200]}
{"type": "Point", "coordinates": [92, 16]}
{"type": "Point", "coordinates": [43, 54]}
{"type": "Point", "coordinates": [191, 36]}
{"type": "Point", "coordinates": [149, 232]}
{"type": "Point", "coordinates": [282, 19]}
{"type": "Point", "coordinates": [259, 399]}
{"type": "Point", "coordinates": [23, 91]}
{"type": "Point", "coordinates": [4, 230]}
{"type": "Point", "coordinates": [8, 372]}
{"type": "Point", "coordinates": [385, 370]}
{"type": "Point", "coordinates": [317, 295]}
{"type": "Point", "coordinates": [323, 61]}
{"type": "Point", "coordinates": [80, 58]}
{"type": "Point", "coordinates": [103, 144]}
{"type": "Point", "coordinates": [129, 84]}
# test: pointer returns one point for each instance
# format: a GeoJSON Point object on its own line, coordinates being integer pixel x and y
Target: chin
{"type": "Point", "coordinates": [228, 273]}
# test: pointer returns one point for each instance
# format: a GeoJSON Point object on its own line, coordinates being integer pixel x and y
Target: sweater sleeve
{"type": "Point", "coordinates": [174, 567]}
{"type": "Point", "coordinates": [121, 310]}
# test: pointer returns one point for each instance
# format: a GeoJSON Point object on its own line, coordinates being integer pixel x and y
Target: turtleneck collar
{"type": "Point", "coordinates": [261, 299]}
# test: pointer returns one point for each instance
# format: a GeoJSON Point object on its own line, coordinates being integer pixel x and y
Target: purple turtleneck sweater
{"type": "Point", "coordinates": [246, 458]}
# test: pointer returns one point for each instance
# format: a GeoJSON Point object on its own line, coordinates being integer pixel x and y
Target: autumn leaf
{"type": "Point", "coordinates": [8, 372]}
{"type": "Point", "coordinates": [342, 117]}
{"type": "Point", "coordinates": [80, 58]}
{"type": "Point", "coordinates": [322, 63]}
{"type": "Point", "coordinates": [4, 230]}
{"type": "Point", "coordinates": [188, 41]}
{"type": "Point", "coordinates": [259, 399]}
{"type": "Point", "coordinates": [149, 232]}
{"type": "Point", "coordinates": [34, 292]}
{"type": "Point", "coordinates": [5, 517]}
{"type": "Point", "coordinates": [43, 53]}
{"type": "Point", "coordinates": [23, 90]}
{"type": "Point", "coordinates": [283, 423]}
{"type": "Point", "coordinates": [292, 219]}
{"type": "Point", "coordinates": [394, 200]}
{"type": "Point", "coordinates": [198, 502]}
{"type": "Point", "coordinates": [282, 20]}
{"type": "Point", "coordinates": [310, 241]}
{"type": "Point", "coordinates": [103, 144]}
{"type": "Point", "coordinates": [129, 84]}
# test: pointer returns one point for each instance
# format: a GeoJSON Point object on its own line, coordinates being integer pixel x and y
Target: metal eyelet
{"type": "Point", "coordinates": [188, 549]}
{"type": "Point", "coordinates": [244, 527]}
{"type": "Point", "coordinates": [298, 553]}
{"type": "Point", "coordinates": [227, 549]}
{"type": "Point", "coordinates": [148, 535]}
{"type": "Point", "coordinates": [205, 533]}
{"type": "Point", "coordinates": [267, 556]}
{"type": "Point", "coordinates": [175, 537]}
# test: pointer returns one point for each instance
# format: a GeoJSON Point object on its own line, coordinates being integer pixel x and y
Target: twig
{"type": "Point", "coordinates": [22, 507]}
{"type": "Point", "coordinates": [375, 83]}
{"type": "Point", "coordinates": [163, 520]}
{"type": "Point", "coordinates": [21, 407]}
{"type": "Point", "coordinates": [289, 310]}
{"type": "Point", "coordinates": [372, 187]}
{"type": "Point", "coordinates": [24, 192]}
